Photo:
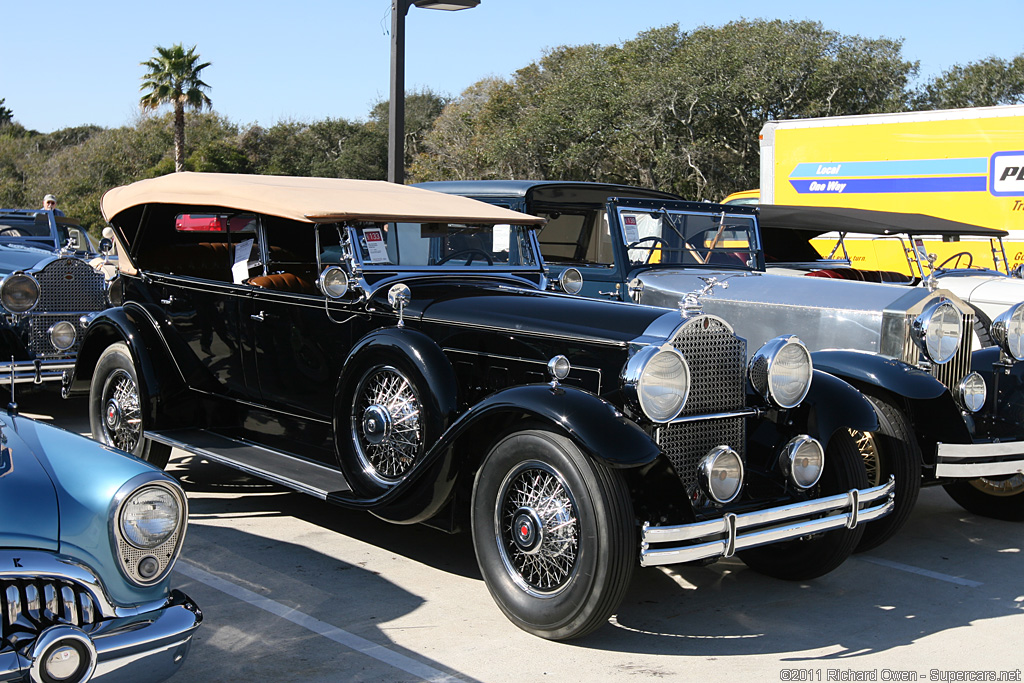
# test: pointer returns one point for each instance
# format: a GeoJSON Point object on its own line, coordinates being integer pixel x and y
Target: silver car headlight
{"type": "Point", "coordinates": [721, 474]}
{"type": "Point", "coordinates": [1008, 331]}
{"type": "Point", "coordinates": [781, 371]}
{"type": "Point", "coordinates": [656, 380]}
{"type": "Point", "coordinates": [937, 331]}
{"type": "Point", "coordinates": [149, 528]}
{"type": "Point", "coordinates": [19, 292]}
{"type": "Point", "coordinates": [62, 335]}
{"type": "Point", "coordinates": [333, 282]}
{"type": "Point", "coordinates": [802, 460]}
{"type": "Point", "coordinates": [971, 392]}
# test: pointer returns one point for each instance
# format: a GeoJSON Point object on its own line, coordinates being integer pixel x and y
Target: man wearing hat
{"type": "Point", "coordinates": [50, 203]}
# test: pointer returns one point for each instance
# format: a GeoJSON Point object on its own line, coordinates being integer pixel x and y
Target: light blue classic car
{"type": "Point", "coordinates": [88, 537]}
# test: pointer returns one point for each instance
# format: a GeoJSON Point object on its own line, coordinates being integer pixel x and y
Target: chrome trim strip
{"type": "Point", "coordinates": [743, 412]}
{"type": "Point", "coordinates": [733, 533]}
{"type": "Point", "coordinates": [967, 461]}
{"type": "Point", "coordinates": [27, 371]}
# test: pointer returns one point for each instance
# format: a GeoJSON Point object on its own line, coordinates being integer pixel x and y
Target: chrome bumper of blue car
{"type": "Point", "coordinates": [145, 647]}
{"type": "Point", "coordinates": [971, 460]}
{"type": "Point", "coordinates": [724, 537]}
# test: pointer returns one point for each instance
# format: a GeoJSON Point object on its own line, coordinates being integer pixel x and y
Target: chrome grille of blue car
{"type": "Point", "coordinates": [28, 605]}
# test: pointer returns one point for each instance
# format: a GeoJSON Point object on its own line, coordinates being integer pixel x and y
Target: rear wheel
{"type": "Point", "coordinates": [890, 451]}
{"type": "Point", "coordinates": [999, 498]}
{"type": "Point", "coordinates": [554, 535]}
{"type": "Point", "coordinates": [115, 407]}
{"type": "Point", "coordinates": [817, 554]}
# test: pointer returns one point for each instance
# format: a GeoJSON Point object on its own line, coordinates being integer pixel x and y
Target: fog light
{"type": "Point", "coordinates": [149, 566]}
{"type": "Point", "coordinates": [62, 335]}
{"type": "Point", "coordinates": [721, 474]}
{"type": "Point", "coordinates": [571, 281]}
{"type": "Point", "coordinates": [972, 392]}
{"type": "Point", "coordinates": [62, 654]}
{"type": "Point", "coordinates": [803, 460]}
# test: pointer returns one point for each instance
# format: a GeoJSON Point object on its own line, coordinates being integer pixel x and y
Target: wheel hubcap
{"type": "Point", "coordinates": [376, 424]}
{"type": "Point", "coordinates": [538, 530]}
{"type": "Point", "coordinates": [386, 424]}
{"type": "Point", "coordinates": [113, 414]}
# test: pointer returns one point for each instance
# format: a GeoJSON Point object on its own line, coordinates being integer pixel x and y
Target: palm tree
{"type": "Point", "coordinates": [173, 78]}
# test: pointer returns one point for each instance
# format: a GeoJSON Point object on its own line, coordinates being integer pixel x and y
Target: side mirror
{"type": "Point", "coordinates": [106, 246]}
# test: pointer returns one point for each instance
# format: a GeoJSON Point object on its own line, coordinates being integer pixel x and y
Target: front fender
{"type": "Point", "coordinates": [594, 424]}
{"type": "Point", "coordinates": [896, 377]}
{"type": "Point", "coordinates": [831, 404]}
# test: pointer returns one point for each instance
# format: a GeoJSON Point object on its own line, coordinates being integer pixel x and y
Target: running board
{"type": "Point", "coordinates": [267, 463]}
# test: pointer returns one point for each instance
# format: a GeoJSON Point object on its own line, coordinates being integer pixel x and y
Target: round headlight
{"type": "Point", "coordinates": [334, 282]}
{"type": "Point", "coordinates": [937, 331]}
{"type": "Point", "coordinates": [19, 292]}
{"type": "Point", "coordinates": [559, 367]}
{"type": "Point", "coordinates": [150, 516]}
{"type": "Point", "coordinates": [571, 281]}
{"type": "Point", "coordinates": [62, 335]}
{"type": "Point", "coordinates": [657, 381]}
{"type": "Point", "coordinates": [1008, 331]}
{"type": "Point", "coordinates": [802, 460]}
{"type": "Point", "coordinates": [971, 392]}
{"type": "Point", "coordinates": [781, 371]}
{"type": "Point", "coordinates": [721, 474]}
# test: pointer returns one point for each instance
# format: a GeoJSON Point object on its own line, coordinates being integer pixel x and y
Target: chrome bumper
{"type": "Point", "coordinates": [967, 461]}
{"type": "Point", "coordinates": [732, 533]}
{"type": "Point", "coordinates": [146, 647]}
{"type": "Point", "coordinates": [35, 371]}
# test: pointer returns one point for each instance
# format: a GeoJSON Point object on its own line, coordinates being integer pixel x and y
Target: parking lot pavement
{"type": "Point", "coordinates": [294, 589]}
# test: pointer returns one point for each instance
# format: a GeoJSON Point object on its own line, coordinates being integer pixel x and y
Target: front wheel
{"type": "Point", "coordinates": [115, 407]}
{"type": "Point", "coordinates": [554, 535]}
{"type": "Point", "coordinates": [998, 498]}
{"type": "Point", "coordinates": [818, 554]}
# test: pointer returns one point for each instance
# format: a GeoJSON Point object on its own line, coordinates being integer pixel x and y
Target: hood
{"type": "Point", "coordinates": [23, 257]}
{"type": "Point", "coordinates": [28, 501]}
{"type": "Point", "coordinates": [993, 293]}
{"type": "Point", "coordinates": [823, 313]}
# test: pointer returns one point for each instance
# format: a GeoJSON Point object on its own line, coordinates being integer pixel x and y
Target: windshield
{"type": "Point", "coordinates": [689, 238]}
{"type": "Point", "coordinates": [35, 229]}
{"type": "Point", "coordinates": [417, 245]}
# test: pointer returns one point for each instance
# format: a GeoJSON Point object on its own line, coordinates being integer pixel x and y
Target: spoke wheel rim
{"type": "Point", "coordinates": [538, 529]}
{"type": "Point", "coordinates": [387, 424]}
{"type": "Point", "coordinates": [868, 447]}
{"type": "Point", "coordinates": [122, 414]}
{"type": "Point", "coordinates": [1000, 488]}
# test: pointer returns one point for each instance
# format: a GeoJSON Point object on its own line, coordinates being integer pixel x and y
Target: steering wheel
{"type": "Point", "coordinates": [957, 257]}
{"type": "Point", "coordinates": [656, 242]}
{"type": "Point", "coordinates": [469, 253]}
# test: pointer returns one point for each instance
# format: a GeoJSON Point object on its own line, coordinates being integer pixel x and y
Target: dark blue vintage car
{"type": "Point", "coordinates": [88, 538]}
{"type": "Point", "coordinates": [50, 277]}
{"type": "Point", "coordinates": [948, 416]}
{"type": "Point", "coordinates": [394, 350]}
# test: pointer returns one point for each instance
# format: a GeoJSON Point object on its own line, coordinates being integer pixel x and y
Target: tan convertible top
{"type": "Point", "coordinates": [313, 200]}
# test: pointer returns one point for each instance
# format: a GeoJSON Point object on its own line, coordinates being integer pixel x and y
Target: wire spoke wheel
{"type": "Point", "coordinates": [386, 424]}
{"type": "Point", "coordinates": [122, 417]}
{"type": "Point", "coordinates": [1001, 488]}
{"type": "Point", "coordinates": [868, 448]}
{"type": "Point", "coordinates": [536, 519]}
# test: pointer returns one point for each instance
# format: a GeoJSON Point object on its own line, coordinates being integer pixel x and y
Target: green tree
{"type": "Point", "coordinates": [6, 115]}
{"type": "Point", "coordinates": [174, 78]}
{"type": "Point", "coordinates": [985, 83]}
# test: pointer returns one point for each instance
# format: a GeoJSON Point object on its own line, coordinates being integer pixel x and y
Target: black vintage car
{"type": "Point", "coordinates": [947, 416]}
{"type": "Point", "coordinates": [392, 349]}
{"type": "Point", "coordinates": [51, 276]}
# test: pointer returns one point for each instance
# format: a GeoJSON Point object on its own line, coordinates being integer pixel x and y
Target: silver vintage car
{"type": "Point", "coordinates": [947, 416]}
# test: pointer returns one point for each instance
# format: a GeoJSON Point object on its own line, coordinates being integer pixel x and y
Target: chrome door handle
{"type": "Point", "coordinates": [258, 316]}
{"type": "Point", "coordinates": [168, 301]}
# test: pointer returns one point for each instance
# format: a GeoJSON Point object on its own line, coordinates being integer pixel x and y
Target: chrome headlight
{"type": "Point", "coordinates": [937, 331]}
{"type": "Point", "coordinates": [570, 281]}
{"type": "Point", "coordinates": [62, 335]}
{"type": "Point", "coordinates": [721, 474]}
{"type": "Point", "coordinates": [971, 392]}
{"type": "Point", "coordinates": [781, 371]}
{"type": "Point", "coordinates": [656, 380]}
{"type": "Point", "coordinates": [19, 292]}
{"type": "Point", "coordinates": [1008, 331]}
{"type": "Point", "coordinates": [802, 460]}
{"type": "Point", "coordinates": [333, 282]}
{"type": "Point", "coordinates": [149, 528]}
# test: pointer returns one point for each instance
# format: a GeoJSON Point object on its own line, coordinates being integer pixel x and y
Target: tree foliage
{"type": "Point", "coordinates": [986, 83]}
{"type": "Point", "coordinates": [173, 77]}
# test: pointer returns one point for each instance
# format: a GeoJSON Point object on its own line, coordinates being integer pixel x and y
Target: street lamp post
{"type": "Point", "coordinates": [396, 108]}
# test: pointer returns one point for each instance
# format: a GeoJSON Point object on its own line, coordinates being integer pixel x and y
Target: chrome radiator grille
{"type": "Point", "coordinates": [717, 360]}
{"type": "Point", "coordinates": [39, 341]}
{"type": "Point", "coordinates": [70, 284]}
{"type": "Point", "coordinates": [685, 444]}
{"type": "Point", "coordinates": [30, 605]}
{"type": "Point", "coordinates": [953, 372]}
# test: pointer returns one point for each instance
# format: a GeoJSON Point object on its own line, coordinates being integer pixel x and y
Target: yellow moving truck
{"type": "Point", "coordinates": [962, 164]}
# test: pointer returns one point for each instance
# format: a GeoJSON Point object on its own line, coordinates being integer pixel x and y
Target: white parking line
{"type": "Point", "coordinates": [349, 640]}
{"type": "Point", "coordinates": [923, 572]}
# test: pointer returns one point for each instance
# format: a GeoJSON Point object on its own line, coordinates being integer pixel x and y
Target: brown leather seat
{"type": "Point", "coordinates": [284, 282]}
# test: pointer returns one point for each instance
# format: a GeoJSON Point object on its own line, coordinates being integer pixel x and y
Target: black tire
{"type": "Point", "coordinates": [115, 407]}
{"type": "Point", "coordinates": [982, 325]}
{"type": "Point", "coordinates": [566, 572]}
{"type": "Point", "coordinates": [814, 556]}
{"type": "Point", "coordinates": [891, 451]}
{"type": "Point", "coordinates": [998, 498]}
{"type": "Point", "coordinates": [389, 421]}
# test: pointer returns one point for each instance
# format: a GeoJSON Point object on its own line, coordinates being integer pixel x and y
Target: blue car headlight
{"type": "Point", "coordinates": [149, 527]}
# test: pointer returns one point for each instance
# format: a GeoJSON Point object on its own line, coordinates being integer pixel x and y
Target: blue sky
{"type": "Point", "coordinates": [72, 63]}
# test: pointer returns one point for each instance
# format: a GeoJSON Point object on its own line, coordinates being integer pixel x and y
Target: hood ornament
{"type": "Point", "coordinates": [690, 305]}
